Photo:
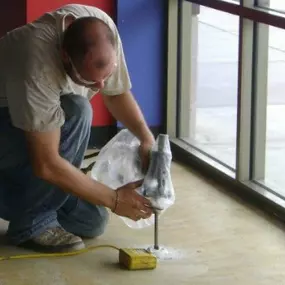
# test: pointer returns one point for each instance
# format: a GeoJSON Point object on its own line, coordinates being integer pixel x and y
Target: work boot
{"type": "Point", "coordinates": [54, 240]}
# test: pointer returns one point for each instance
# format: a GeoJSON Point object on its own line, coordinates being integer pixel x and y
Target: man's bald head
{"type": "Point", "coordinates": [84, 34]}
{"type": "Point", "coordinates": [89, 51]}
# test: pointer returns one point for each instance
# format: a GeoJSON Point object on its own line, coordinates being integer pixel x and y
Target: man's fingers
{"type": "Point", "coordinates": [144, 201]}
{"type": "Point", "coordinates": [138, 215]}
{"type": "Point", "coordinates": [144, 205]}
{"type": "Point", "coordinates": [135, 184]}
{"type": "Point", "coordinates": [140, 211]}
{"type": "Point", "coordinates": [144, 215]}
{"type": "Point", "coordinates": [146, 209]}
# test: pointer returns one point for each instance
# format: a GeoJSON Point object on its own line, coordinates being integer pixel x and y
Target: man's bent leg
{"type": "Point", "coordinates": [83, 219]}
{"type": "Point", "coordinates": [40, 201]}
{"type": "Point", "coordinates": [80, 217]}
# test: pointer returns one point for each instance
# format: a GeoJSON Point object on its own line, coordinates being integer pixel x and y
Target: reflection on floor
{"type": "Point", "coordinates": [219, 240]}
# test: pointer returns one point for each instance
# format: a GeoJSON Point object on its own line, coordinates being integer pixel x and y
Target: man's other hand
{"type": "Point", "coordinates": [130, 204]}
{"type": "Point", "coordinates": [145, 153]}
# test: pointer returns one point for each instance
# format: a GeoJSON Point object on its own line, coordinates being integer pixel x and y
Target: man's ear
{"type": "Point", "coordinates": [64, 55]}
{"type": "Point", "coordinates": [68, 20]}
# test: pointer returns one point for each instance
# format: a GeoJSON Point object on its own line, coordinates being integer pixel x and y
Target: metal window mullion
{"type": "Point", "coordinates": [185, 78]}
{"type": "Point", "coordinates": [172, 68]}
{"type": "Point", "coordinates": [244, 112]}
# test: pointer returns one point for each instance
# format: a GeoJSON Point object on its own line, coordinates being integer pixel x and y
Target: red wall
{"type": "Point", "coordinates": [11, 17]}
{"type": "Point", "coordinates": [28, 10]}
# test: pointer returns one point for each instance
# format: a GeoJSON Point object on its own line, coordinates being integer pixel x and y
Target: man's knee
{"type": "Point", "coordinates": [86, 220]}
{"type": "Point", "coordinates": [77, 106]}
{"type": "Point", "coordinates": [99, 224]}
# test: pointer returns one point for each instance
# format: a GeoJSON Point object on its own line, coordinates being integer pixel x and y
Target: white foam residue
{"type": "Point", "coordinates": [165, 253]}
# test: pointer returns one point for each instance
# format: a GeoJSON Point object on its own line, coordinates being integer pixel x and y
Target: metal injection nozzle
{"type": "Point", "coordinates": [155, 183]}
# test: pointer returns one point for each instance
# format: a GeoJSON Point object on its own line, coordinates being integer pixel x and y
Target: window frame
{"type": "Point", "coordinates": [254, 22]}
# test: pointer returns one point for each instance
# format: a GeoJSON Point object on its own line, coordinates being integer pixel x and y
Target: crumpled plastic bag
{"type": "Point", "coordinates": [118, 163]}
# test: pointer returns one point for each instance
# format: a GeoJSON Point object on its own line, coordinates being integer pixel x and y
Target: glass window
{"type": "Point", "coordinates": [274, 108]}
{"type": "Point", "coordinates": [278, 5]}
{"type": "Point", "coordinates": [211, 122]}
{"type": "Point", "coordinates": [240, 137]}
{"type": "Point", "coordinates": [232, 1]}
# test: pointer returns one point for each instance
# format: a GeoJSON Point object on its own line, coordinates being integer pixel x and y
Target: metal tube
{"type": "Point", "coordinates": [156, 230]}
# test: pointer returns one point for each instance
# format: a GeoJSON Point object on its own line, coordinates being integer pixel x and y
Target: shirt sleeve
{"type": "Point", "coordinates": [34, 106]}
{"type": "Point", "coordinates": [32, 85]}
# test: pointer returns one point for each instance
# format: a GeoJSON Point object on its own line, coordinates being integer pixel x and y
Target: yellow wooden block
{"type": "Point", "coordinates": [137, 259]}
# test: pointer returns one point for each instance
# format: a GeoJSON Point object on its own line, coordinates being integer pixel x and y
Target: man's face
{"type": "Point", "coordinates": [97, 66]}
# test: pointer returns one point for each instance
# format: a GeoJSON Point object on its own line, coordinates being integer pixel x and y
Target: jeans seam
{"type": "Point", "coordinates": [34, 231]}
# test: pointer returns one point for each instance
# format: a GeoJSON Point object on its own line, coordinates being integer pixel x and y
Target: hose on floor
{"type": "Point", "coordinates": [59, 254]}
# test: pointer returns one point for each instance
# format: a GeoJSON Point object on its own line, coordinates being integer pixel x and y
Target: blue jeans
{"type": "Point", "coordinates": [32, 205]}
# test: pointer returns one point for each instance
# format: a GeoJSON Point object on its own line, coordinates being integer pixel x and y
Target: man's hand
{"type": "Point", "coordinates": [145, 152]}
{"type": "Point", "coordinates": [50, 166]}
{"type": "Point", "coordinates": [130, 204]}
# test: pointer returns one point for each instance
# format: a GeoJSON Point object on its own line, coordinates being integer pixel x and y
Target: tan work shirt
{"type": "Point", "coordinates": [32, 77]}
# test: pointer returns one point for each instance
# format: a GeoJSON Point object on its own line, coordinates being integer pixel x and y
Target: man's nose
{"type": "Point", "coordinates": [100, 84]}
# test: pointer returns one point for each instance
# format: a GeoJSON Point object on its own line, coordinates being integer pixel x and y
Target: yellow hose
{"type": "Point", "coordinates": [59, 254]}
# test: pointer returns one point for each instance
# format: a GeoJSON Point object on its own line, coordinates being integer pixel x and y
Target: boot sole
{"type": "Point", "coordinates": [31, 245]}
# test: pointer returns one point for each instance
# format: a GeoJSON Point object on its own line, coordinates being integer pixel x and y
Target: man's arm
{"type": "Point", "coordinates": [50, 166]}
{"type": "Point", "coordinates": [126, 110]}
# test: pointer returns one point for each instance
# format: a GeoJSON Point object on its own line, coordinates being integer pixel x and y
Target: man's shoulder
{"type": "Point", "coordinates": [31, 51]}
{"type": "Point", "coordinates": [81, 10]}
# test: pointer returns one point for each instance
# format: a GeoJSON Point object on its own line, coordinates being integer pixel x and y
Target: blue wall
{"type": "Point", "coordinates": [142, 25]}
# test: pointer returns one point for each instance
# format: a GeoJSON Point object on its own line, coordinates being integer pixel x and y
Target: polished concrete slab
{"type": "Point", "coordinates": [213, 239]}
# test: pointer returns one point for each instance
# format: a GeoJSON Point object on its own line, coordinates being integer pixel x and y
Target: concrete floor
{"type": "Point", "coordinates": [216, 238]}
